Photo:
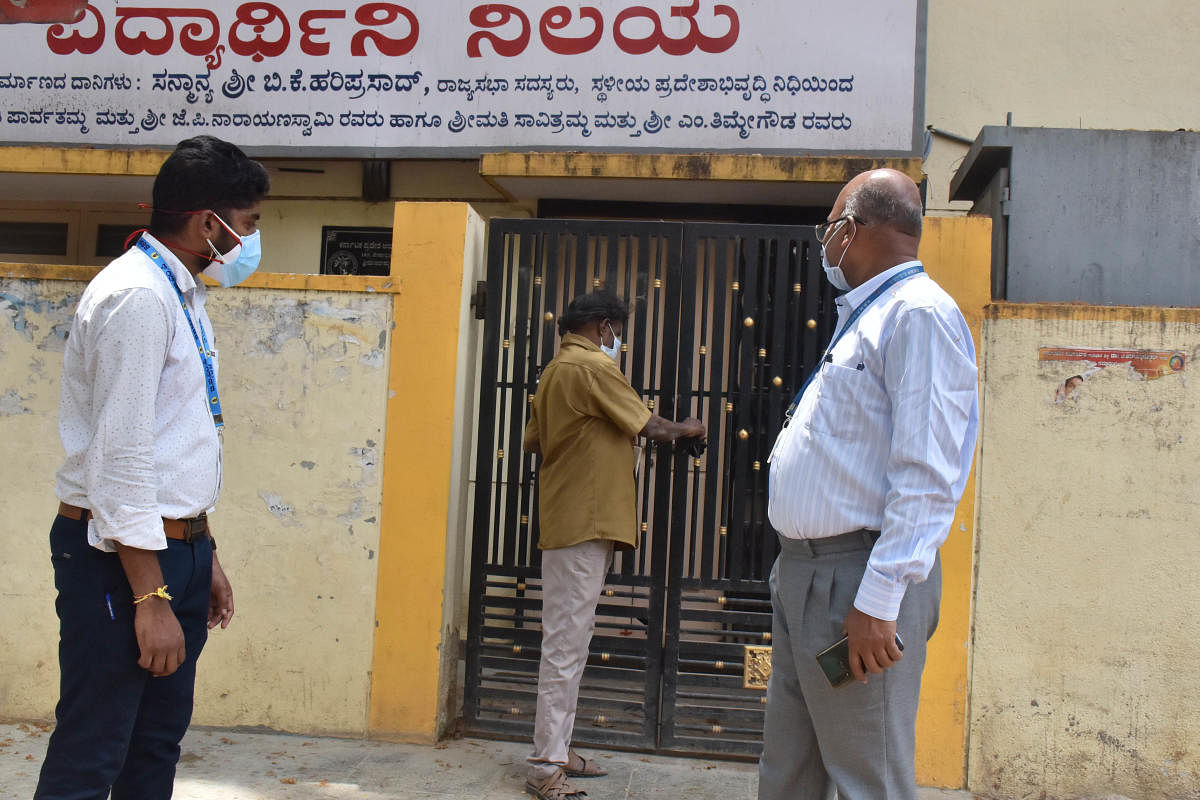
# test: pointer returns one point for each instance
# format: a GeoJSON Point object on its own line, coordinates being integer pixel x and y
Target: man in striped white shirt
{"type": "Point", "coordinates": [865, 478]}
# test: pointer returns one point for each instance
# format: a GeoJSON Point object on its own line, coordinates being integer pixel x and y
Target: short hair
{"type": "Point", "coordinates": [877, 203]}
{"type": "Point", "coordinates": [204, 173]}
{"type": "Point", "coordinates": [592, 307]}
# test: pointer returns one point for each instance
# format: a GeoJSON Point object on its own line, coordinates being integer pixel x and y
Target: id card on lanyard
{"type": "Point", "coordinates": [854, 315]}
{"type": "Point", "coordinates": [206, 353]}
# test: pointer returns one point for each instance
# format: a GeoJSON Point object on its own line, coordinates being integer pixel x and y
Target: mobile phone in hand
{"type": "Point", "coordinates": [835, 661]}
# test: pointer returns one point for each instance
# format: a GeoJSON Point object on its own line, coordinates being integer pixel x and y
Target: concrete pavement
{"type": "Point", "coordinates": [238, 765]}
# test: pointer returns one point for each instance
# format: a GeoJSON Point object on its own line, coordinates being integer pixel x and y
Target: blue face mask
{"type": "Point", "coordinates": [239, 263]}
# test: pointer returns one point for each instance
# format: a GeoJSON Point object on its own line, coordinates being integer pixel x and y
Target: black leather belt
{"type": "Point", "coordinates": [842, 543]}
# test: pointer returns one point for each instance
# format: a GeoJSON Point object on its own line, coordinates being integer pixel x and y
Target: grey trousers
{"type": "Point", "coordinates": [856, 740]}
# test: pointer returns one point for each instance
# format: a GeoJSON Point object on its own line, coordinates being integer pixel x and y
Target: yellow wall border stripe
{"type": "Point", "coordinates": [1078, 311]}
{"type": "Point", "coordinates": [383, 284]}
{"type": "Point", "coordinates": [689, 167]}
{"type": "Point", "coordinates": [82, 161]}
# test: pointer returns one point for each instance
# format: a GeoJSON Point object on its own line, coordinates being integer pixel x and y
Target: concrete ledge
{"type": "Point", "coordinates": [382, 284]}
{"type": "Point", "coordinates": [1080, 311]}
{"type": "Point", "coordinates": [693, 167]}
{"type": "Point", "coordinates": [82, 161]}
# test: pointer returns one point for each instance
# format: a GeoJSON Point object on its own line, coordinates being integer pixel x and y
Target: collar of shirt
{"type": "Point", "coordinates": [576, 340]}
{"type": "Point", "coordinates": [184, 279]}
{"type": "Point", "coordinates": [851, 299]}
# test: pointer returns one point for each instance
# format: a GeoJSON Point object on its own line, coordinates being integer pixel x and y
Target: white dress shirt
{"type": "Point", "coordinates": [884, 435]}
{"type": "Point", "coordinates": [134, 415]}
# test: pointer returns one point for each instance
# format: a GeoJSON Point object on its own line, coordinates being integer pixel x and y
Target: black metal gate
{"type": "Point", "coordinates": [726, 322]}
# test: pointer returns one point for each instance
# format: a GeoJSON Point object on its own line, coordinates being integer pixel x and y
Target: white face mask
{"type": "Point", "coordinates": [613, 352]}
{"type": "Point", "coordinates": [834, 272]}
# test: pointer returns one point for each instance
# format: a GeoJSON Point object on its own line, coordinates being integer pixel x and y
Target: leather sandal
{"type": "Point", "coordinates": [580, 767]}
{"type": "Point", "coordinates": [556, 787]}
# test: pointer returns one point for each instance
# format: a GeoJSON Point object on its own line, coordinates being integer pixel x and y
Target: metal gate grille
{"type": "Point", "coordinates": [726, 320]}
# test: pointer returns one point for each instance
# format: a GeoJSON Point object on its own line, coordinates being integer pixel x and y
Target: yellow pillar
{"type": "Point", "coordinates": [429, 252]}
{"type": "Point", "coordinates": [956, 252]}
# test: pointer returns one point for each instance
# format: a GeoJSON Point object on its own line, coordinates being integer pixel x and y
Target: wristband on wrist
{"type": "Point", "coordinates": [159, 592]}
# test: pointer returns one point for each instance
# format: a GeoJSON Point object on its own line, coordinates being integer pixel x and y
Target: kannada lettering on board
{"type": "Point", "coordinates": [355, 250]}
{"type": "Point", "coordinates": [447, 76]}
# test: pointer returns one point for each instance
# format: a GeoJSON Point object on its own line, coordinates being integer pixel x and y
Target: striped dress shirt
{"type": "Point", "coordinates": [884, 435]}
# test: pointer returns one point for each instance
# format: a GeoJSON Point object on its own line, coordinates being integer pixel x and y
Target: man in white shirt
{"type": "Point", "coordinates": [864, 480]}
{"type": "Point", "coordinates": [139, 583]}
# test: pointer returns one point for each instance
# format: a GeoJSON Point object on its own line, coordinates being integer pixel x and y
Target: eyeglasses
{"type": "Point", "coordinates": [825, 228]}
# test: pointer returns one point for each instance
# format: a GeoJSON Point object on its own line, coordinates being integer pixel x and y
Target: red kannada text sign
{"type": "Point", "coordinates": [264, 30]}
{"type": "Point", "coordinates": [41, 10]}
{"type": "Point", "coordinates": [1149, 364]}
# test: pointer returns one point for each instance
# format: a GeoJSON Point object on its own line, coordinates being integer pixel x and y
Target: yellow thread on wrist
{"type": "Point", "coordinates": [159, 592]}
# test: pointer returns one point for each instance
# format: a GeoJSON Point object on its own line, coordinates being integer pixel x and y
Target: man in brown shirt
{"type": "Point", "coordinates": [583, 421]}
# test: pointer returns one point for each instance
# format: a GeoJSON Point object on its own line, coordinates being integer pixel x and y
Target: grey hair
{"type": "Point", "coordinates": [875, 203]}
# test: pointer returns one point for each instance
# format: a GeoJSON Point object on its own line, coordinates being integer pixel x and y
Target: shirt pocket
{"type": "Point", "coordinates": [851, 404]}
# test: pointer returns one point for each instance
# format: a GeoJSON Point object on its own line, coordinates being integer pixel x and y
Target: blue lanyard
{"type": "Point", "coordinates": [854, 315]}
{"type": "Point", "coordinates": [210, 372]}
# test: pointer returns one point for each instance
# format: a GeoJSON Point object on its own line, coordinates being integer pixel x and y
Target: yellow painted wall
{"type": "Point", "coordinates": [1086, 632]}
{"type": "Point", "coordinates": [34, 317]}
{"type": "Point", "coordinates": [304, 376]}
{"type": "Point", "coordinates": [957, 254]}
{"type": "Point", "coordinates": [437, 250]}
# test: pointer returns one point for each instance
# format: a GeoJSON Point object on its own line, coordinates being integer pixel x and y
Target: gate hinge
{"type": "Point", "coordinates": [479, 300]}
{"type": "Point", "coordinates": [1005, 202]}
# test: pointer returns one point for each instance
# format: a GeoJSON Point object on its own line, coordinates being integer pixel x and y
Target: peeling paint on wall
{"type": "Point", "coordinates": [34, 316]}
{"type": "Point", "coordinates": [279, 508]}
{"type": "Point", "coordinates": [1085, 637]}
{"type": "Point", "coordinates": [12, 404]}
{"type": "Point", "coordinates": [304, 413]}
{"type": "Point", "coordinates": [368, 460]}
{"type": "Point", "coordinates": [29, 311]}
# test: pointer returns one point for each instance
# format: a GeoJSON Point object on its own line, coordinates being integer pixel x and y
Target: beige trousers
{"type": "Point", "coordinates": [572, 579]}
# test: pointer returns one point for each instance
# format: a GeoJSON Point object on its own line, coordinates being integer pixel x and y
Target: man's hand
{"type": "Point", "coordinates": [160, 639]}
{"type": "Point", "coordinates": [220, 598]}
{"type": "Point", "coordinates": [872, 644]}
{"type": "Point", "coordinates": [663, 430]}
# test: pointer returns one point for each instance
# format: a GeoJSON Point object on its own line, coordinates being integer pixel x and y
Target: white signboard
{"type": "Point", "coordinates": [453, 77]}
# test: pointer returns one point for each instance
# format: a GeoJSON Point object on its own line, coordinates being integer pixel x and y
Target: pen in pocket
{"type": "Point", "coordinates": [108, 602]}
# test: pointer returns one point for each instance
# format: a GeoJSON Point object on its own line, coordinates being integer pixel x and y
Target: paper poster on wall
{"type": "Point", "coordinates": [1150, 364]}
{"type": "Point", "coordinates": [443, 77]}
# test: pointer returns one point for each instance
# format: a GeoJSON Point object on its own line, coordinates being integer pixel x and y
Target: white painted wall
{"type": "Point", "coordinates": [1062, 64]}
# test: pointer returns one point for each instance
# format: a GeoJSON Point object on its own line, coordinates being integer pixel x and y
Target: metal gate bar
{"type": "Point", "coordinates": [723, 326]}
{"type": "Point", "coordinates": [717, 600]}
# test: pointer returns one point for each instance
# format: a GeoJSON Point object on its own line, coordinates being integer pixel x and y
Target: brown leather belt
{"type": "Point", "coordinates": [186, 530]}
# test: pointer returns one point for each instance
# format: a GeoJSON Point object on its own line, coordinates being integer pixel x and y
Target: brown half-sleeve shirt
{"type": "Point", "coordinates": [584, 417]}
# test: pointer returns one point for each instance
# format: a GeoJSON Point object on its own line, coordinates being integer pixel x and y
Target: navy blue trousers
{"type": "Point", "coordinates": [118, 727]}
